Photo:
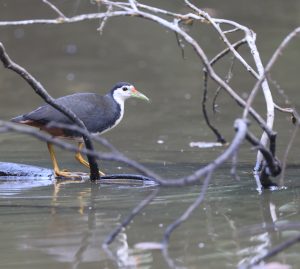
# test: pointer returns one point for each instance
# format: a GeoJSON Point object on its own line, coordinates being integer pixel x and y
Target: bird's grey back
{"type": "Point", "coordinates": [97, 112]}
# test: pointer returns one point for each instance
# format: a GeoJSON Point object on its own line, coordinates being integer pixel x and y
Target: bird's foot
{"type": "Point", "coordinates": [65, 174]}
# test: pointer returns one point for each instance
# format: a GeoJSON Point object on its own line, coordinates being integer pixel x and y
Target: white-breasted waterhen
{"type": "Point", "coordinates": [98, 113]}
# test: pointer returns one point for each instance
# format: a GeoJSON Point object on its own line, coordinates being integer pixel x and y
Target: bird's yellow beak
{"type": "Point", "coordinates": [137, 94]}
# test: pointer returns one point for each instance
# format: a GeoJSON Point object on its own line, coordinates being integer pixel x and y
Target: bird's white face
{"type": "Point", "coordinates": [127, 91]}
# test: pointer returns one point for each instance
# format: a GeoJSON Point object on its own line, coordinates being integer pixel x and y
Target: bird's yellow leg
{"type": "Point", "coordinates": [79, 158]}
{"type": "Point", "coordinates": [56, 169]}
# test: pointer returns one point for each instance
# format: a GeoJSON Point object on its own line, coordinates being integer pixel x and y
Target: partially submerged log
{"type": "Point", "coordinates": [25, 172]}
{"type": "Point", "coordinates": [17, 170]}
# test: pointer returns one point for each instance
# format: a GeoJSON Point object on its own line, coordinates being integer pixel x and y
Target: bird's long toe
{"type": "Point", "coordinates": [69, 175]}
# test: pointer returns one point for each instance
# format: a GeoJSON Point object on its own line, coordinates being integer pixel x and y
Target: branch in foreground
{"type": "Point", "coordinates": [240, 127]}
{"type": "Point", "coordinates": [188, 212]}
{"type": "Point", "coordinates": [207, 171]}
{"type": "Point", "coordinates": [41, 91]}
{"type": "Point", "coordinates": [113, 156]}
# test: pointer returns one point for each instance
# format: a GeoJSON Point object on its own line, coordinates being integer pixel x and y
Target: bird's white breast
{"type": "Point", "coordinates": [120, 102]}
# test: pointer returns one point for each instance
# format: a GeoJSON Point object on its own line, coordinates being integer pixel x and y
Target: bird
{"type": "Point", "coordinates": [99, 113]}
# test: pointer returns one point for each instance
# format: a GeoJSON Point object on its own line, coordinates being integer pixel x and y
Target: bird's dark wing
{"type": "Point", "coordinates": [96, 111]}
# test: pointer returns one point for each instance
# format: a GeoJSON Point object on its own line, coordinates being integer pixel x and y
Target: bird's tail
{"type": "Point", "coordinates": [18, 119]}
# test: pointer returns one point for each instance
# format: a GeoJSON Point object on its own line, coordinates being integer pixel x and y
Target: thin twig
{"type": "Point", "coordinates": [170, 229]}
{"type": "Point", "coordinates": [179, 40]}
{"type": "Point", "coordinates": [235, 29]}
{"type": "Point", "coordinates": [104, 20]}
{"type": "Point", "coordinates": [60, 14]}
{"type": "Point", "coordinates": [219, 56]}
{"type": "Point", "coordinates": [110, 238]}
{"type": "Point", "coordinates": [227, 80]}
{"type": "Point", "coordinates": [224, 52]}
{"type": "Point", "coordinates": [219, 136]}
{"type": "Point", "coordinates": [188, 212]}
{"type": "Point", "coordinates": [287, 150]}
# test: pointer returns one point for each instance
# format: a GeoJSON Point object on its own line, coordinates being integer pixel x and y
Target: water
{"type": "Point", "coordinates": [64, 225]}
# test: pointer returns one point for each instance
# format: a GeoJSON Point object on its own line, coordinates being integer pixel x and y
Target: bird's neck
{"type": "Point", "coordinates": [120, 102]}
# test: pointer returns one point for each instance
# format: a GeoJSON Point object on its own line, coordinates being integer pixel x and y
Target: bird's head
{"type": "Point", "coordinates": [123, 90]}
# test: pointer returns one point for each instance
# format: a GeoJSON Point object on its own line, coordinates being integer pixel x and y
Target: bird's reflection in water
{"type": "Point", "coordinates": [78, 223]}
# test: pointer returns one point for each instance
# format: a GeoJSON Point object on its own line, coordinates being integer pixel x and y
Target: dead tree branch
{"type": "Point", "coordinates": [219, 56]}
{"type": "Point", "coordinates": [187, 213]}
{"type": "Point", "coordinates": [262, 80]}
{"type": "Point", "coordinates": [112, 156]}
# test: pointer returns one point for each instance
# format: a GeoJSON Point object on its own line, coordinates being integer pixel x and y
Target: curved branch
{"type": "Point", "coordinates": [187, 213]}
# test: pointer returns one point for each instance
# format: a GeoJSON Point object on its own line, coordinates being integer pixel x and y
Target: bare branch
{"type": "Point", "coordinates": [181, 219]}
{"type": "Point", "coordinates": [262, 81]}
{"type": "Point", "coordinates": [103, 22]}
{"type": "Point", "coordinates": [53, 7]}
{"type": "Point", "coordinates": [273, 164]}
{"type": "Point", "coordinates": [231, 30]}
{"type": "Point", "coordinates": [219, 136]}
{"type": "Point", "coordinates": [133, 4]}
{"type": "Point", "coordinates": [188, 212]}
{"type": "Point", "coordinates": [79, 18]}
{"type": "Point", "coordinates": [114, 156]}
{"type": "Point", "coordinates": [270, 64]}
{"type": "Point", "coordinates": [288, 148]}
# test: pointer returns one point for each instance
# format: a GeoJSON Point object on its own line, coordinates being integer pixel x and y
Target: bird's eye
{"type": "Point", "coordinates": [125, 89]}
